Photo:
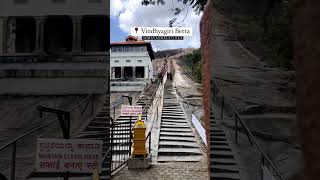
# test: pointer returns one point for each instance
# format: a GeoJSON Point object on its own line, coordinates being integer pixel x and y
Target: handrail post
{"type": "Point", "coordinates": [13, 161]}
{"type": "Point", "coordinates": [262, 162]}
{"type": "Point", "coordinates": [236, 119]}
{"type": "Point", "coordinates": [111, 147]}
{"type": "Point", "coordinates": [93, 103]}
{"type": "Point", "coordinates": [214, 92]}
{"type": "Point", "coordinates": [130, 138]}
{"type": "Point", "coordinates": [222, 108]}
{"type": "Point", "coordinates": [150, 142]}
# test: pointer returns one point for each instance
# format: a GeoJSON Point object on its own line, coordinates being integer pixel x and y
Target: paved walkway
{"type": "Point", "coordinates": [166, 171]}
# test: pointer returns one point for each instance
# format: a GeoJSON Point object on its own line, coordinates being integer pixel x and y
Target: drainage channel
{"type": "Point", "coordinates": [223, 164]}
{"type": "Point", "coordinates": [176, 141]}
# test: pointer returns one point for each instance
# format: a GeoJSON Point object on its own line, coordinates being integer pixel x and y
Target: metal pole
{"type": "Point", "coordinates": [214, 92]}
{"type": "Point", "coordinates": [111, 148]}
{"type": "Point", "coordinates": [222, 108]}
{"type": "Point", "coordinates": [157, 113]}
{"type": "Point", "coordinates": [236, 119]}
{"type": "Point", "coordinates": [130, 138]}
{"type": "Point", "coordinates": [92, 105]}
{"type": "Point", "coordinates": [13, 161]}
{"type": "Point", "coordinates": [114, 113]}
{"type": "Point", "coordinates": [150, 142]}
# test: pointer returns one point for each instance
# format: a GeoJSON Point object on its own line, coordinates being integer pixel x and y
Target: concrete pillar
{"type": "Point", "coordinates": [76, 40]}
{"type": "Point", "coordinates": [3, 34]}
{"type": "Point", "coordinates": [122, 72]}
{"type": "Point", "coordinates": [113, 71]}
{"type": "Point", "coordinates": [134, 72]}
{"type": "Point", "coordinates": [11, 35]}
{"type": "Point", "coordinates": [306, 29]}
{"type": "Point", "coordinates": [39, 45]}
{"type": "Point", "coordinates": [146, 72]}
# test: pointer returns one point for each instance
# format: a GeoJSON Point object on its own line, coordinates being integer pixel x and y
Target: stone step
{"type": "Point", "coordinates": [176, 134]}
{"type": "Point", "coordinates": [170, 138]}
{"type": "Point", "coordinates": [193, 158]}
{"type": "Point", "coordinates": [224, 176]}
{"type": "Point", "coordinates": [180, 151]}
{"type": "Point", "coordinates": [175, 130]}
{"type": "Point", "coordinates": [177, 144]}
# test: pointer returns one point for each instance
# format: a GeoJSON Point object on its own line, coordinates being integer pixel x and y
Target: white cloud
{"type": "Point", "coordinates": [132, 13]}
{"type": "Point", "coordinates": [116, 7]}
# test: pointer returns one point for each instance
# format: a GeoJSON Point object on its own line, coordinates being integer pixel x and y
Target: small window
{"type": "Point", "coordinates": [128, 61]}
{"type": "Point", "coordinates": [94, 1]}
{"type": "Point", "coordinates": [116, 61]}
{"type": "Point", "coordinates": [117, 72]}
{"type": "Point", "coordinates": [126, 49]}
{"type": "Point", "coordinates": [139, 61]}
{"type": "Point", "coordinates": [143, 48]}
{"type": "Point", "coordinates": [59, 1]}
{"type": "Point", "coordinates": [140, 72]}
{"type": "Point", "coordinates": [20, 1]}
{"type": "Point", "coordinates": [137, 49]}
{"type": "Point", "coordinates": [131, 48]}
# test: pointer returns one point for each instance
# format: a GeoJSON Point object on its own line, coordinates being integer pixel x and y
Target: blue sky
{"type": "Point", "coordinates": [130, 13]}
{"type": "Point", "coordinates": [116, 33]}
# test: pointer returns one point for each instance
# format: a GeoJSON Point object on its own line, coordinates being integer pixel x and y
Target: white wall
{"type": "Point", "coordinates": [53, 86]}
{"type": "Point", "coordinates": [133, 57]}
{"type": "Point", "coordinates": [48, 7]}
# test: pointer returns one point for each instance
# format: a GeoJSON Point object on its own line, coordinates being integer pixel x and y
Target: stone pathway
{"type": "Point", "coordinates": [166, 171]}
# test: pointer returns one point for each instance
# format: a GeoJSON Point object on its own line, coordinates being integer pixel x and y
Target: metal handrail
{"type": "Point", "coordinates": [149, 137]}
{"type": "Point", "coordinates": [27, 133]}
{"type": "Point", "coordinates": [81, 102]}
{"type": "Point", "coordinates": [250, 135]}
{"type": "Point", "coordinates": [189, 106]}
{"type": "Point", "coordinates": [14, 141]}
{"type": "Point", "coordinates": [151, 98]}
{"type": "Point", "coordinates": [41, 126]}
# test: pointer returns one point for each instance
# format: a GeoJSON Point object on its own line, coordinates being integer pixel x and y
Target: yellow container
{"type": "Point", "coordinates": [139, 139]}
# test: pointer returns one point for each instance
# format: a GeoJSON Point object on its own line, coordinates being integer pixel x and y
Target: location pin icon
{"type": "Point", "coordinates": [136, 29]}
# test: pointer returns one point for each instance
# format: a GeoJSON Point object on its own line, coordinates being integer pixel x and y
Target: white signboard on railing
{"type": "Point", "coordinates": [131, 110]}
{"type": "Point", "coordinates": [68, 155]}
{"type": "Point", "coordinates": [201, 131]}
{"type": "Point", "coordinates": [267, 175]}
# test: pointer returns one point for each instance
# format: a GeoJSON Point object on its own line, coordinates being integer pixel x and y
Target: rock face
{"type": "Point", "coordinates": [264, 96]}
{"type": "Point", "coordinates": [307, 53]}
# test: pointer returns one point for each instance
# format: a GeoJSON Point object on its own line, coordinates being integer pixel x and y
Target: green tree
{"type": "Point", "coordinates": [197, 5]}
{"type": "Point", "coordinates": [195, 58]}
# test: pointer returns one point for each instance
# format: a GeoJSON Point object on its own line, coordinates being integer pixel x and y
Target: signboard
{"type": "Point", "coordinates": [73, 155]}
{"type": "Point", "coordinates": [131, 110]}
{"type": "Point", "coordinates": [267, 175]}
{"type": "Point", "coordinates": [201, 131]}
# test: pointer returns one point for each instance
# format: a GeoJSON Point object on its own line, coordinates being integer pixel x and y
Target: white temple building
{"type": "Point", "coordinates": [130, 65]}
{"type": "Point", "coordinates": [54, 47]}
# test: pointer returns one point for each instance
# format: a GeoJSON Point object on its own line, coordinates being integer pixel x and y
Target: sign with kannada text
{"type": "Point", "coordinates": [131, 110]}
{"type": "Point", "coordinates": [73, 155]}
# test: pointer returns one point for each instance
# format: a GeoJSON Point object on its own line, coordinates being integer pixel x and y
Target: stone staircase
{"type": "Point", "coordinates": [176, 141]}
{"type": "Point", "coordinates": [223, 164]}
